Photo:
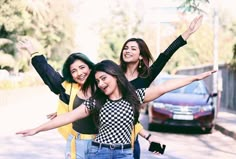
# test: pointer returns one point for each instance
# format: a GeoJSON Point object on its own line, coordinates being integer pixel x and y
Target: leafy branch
{"type": "Point", "coordinates": [193, 6]}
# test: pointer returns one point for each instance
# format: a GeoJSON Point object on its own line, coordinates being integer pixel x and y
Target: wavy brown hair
{"type": "Point", "coordinates": [144, 52]}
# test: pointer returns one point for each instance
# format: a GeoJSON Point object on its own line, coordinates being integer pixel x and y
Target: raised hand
{"type": "Point", "coordinates": [27, 45]}
{"type": "Point", "coordinates": [193, 27]}
{"type": "Point", "coordinates": [195, 24]}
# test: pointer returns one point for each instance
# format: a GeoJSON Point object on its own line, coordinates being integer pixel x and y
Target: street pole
{"type": "Point", "coordinates": [215, 47]}
{"type": "Point", "coordinates": [215, 52]}
{"type": "Point", "coordinates": [158, 42]}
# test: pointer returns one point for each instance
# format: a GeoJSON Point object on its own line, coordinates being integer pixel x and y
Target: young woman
{"type": "Point", "coordinates": [115, 104]}
{"type": "Point", "coordinates": [46, 75]}
{"type": "Point", "coordinates": [135, 59]}
{"type": "Point", "coordinates": [75, 71]}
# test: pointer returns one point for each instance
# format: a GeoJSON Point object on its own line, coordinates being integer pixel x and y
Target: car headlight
{"type": "Point", "coordinates": [159, 105]}
{"type": "Point", "coordinates": [206, 108]}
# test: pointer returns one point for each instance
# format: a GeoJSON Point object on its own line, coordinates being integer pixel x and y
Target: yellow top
{"type": "Point", "coordinates": [137, 128]}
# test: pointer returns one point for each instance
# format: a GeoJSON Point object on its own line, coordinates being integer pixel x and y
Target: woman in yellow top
{"type": "Point", "coordinates": [67, 86]}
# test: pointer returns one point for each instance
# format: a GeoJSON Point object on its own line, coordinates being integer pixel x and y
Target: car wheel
{"type": "Point", "coordinates": [208, 130]}
{"type": "Point", "coordinates": [151, 126]}
{"type": "Point", "coordinates": [155, 127]}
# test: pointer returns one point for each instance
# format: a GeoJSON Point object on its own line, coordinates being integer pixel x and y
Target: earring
{"type": "Point", "coordinates": [139, 65]}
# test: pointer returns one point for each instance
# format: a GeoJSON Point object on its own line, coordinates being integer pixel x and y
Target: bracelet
{"type": "Point", "coordinates": [149, 135]}
{"type": "Point", "coordinates": [34, 53]}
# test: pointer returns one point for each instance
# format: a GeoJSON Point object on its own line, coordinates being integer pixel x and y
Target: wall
{"type": "Point", "coordinates": [228, 95]}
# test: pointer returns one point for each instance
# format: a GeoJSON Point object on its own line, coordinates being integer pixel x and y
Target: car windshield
{"type": "Point", "coordinates": [196, 87]}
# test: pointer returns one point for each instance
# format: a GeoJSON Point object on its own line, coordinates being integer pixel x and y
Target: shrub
{"type": "Point", "coordinates": [21, 80]}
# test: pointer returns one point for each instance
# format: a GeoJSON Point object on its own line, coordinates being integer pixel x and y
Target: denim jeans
{"type": "Point", "coordinates": [96, 152]}
{"type": "Point", "coordinates": [82, 147]}
{"type": "Point", "coordinates": [136, 149]}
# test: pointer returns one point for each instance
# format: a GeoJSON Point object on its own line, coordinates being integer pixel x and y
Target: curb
{"type": "Point", "coordinates": [225, 131]}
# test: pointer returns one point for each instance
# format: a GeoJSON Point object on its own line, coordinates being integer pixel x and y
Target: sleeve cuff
{"type": "Point", "coordinates": [35, 54]}
{"type": "Point", "coordinates": [138, 127]}
{"type": "Point", "coordinates": [183, 41]}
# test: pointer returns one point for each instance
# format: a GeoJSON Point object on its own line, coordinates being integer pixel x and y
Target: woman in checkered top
{"type": "Point", "coordinates": [115, 104]}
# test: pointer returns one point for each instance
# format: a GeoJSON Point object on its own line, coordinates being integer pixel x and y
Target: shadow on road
{"type": "Point", "coordinates": [177, 129]}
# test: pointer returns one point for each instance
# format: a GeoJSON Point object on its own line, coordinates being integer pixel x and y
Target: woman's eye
{"type": "Point", "coordinates": [126, 48]}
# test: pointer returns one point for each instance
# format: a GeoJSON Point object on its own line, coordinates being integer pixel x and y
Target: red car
{"type": "Point", "coordinates": [191, 105]}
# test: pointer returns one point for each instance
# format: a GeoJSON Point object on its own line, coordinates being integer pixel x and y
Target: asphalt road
{"type": "Point", "coordinates": [25, 108]}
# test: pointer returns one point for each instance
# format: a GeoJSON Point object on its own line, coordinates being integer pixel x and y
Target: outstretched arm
{"type": "Point", "coordinates": [63, 119]}
{"type": "Point", "coordinates": [154, 92]}
{"type": "Point", "coordinates": [193, 27]}
{"type": "Point", "coordinates": [51, 78]}
{"type": "Point", "coordinates": [164, 57]}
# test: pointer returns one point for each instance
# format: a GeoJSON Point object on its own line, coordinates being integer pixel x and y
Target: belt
{"type": "Point", "coordinates": [80, 136]}
{"type": "Point", "coordinates": [112, 146]}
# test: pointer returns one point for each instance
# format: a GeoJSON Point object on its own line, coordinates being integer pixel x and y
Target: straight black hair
{"type": "Point", "coordinates": [70, 60]}
{"type": "Point", "coordinates": [125, 87]}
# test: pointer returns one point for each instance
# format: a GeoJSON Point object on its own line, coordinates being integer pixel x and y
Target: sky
{"type": "Point", "coordinates": [90, 12]}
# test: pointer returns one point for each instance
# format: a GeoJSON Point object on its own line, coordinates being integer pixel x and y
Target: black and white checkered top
{"type": "Point", "coordinates": [116, 119]}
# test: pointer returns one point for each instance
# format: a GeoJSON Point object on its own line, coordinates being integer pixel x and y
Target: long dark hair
{"type": "Point", "coordinates": [125, 87]}
{"type": "Point", "coordinates": [70, 60]}
{"type": "Point", "coordinates": [144, 52]}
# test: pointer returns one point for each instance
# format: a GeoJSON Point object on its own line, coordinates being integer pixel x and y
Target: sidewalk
{"type": "Point", "coordinates": [226, 122]}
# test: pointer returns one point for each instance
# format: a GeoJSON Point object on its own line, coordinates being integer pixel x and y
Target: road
{"type": "Point", "coordinates": [185, 143]}
{"type": "Point", "coordinates": [27, 107]}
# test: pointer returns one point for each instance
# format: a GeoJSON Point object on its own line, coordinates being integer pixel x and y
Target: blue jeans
{"type": "Point", "coordinates": [82, 147]}
{"type": "Point", "coordinates": [96, 152]}
{"type": "Point", "coordinates": [136, 149]}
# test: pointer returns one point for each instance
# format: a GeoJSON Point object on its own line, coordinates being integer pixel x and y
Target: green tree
{"type": "Point", "coordinates": [45, 21]}
{"type": "Point", "coordinates": [199, 50]}
{"type": "Point", "coordinates": [193, 5]}
{"type": "Point", "coordinates": [11, 24]}
{"type": "Point", "coordinates": [232, 63]}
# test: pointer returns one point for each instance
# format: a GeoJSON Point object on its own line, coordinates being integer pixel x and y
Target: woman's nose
{"type": "Point", "coordinates": [100, 84]}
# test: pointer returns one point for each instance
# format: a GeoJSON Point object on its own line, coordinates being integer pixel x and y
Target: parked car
{"type": "Point", "coordinates": [191, 105]}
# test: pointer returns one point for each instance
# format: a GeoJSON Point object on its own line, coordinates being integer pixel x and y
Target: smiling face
{"type": "Point", "coordinates": [79, 71]}
{"type": "Point", "coordinates": [131, 52]}
{"type": "Point", "coordinates": [107, 83]}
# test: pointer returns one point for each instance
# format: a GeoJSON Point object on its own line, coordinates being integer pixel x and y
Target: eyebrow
{"type": "Point", "coordinates": [132, 46]}
{"type": "Point", "coordinates": [82, 65]}
{"type": "Point", "coordinates": [101, 76]}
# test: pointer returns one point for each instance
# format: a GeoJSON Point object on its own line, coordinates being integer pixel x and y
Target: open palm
{"type": "Point", "coordinates": [195, 24]}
